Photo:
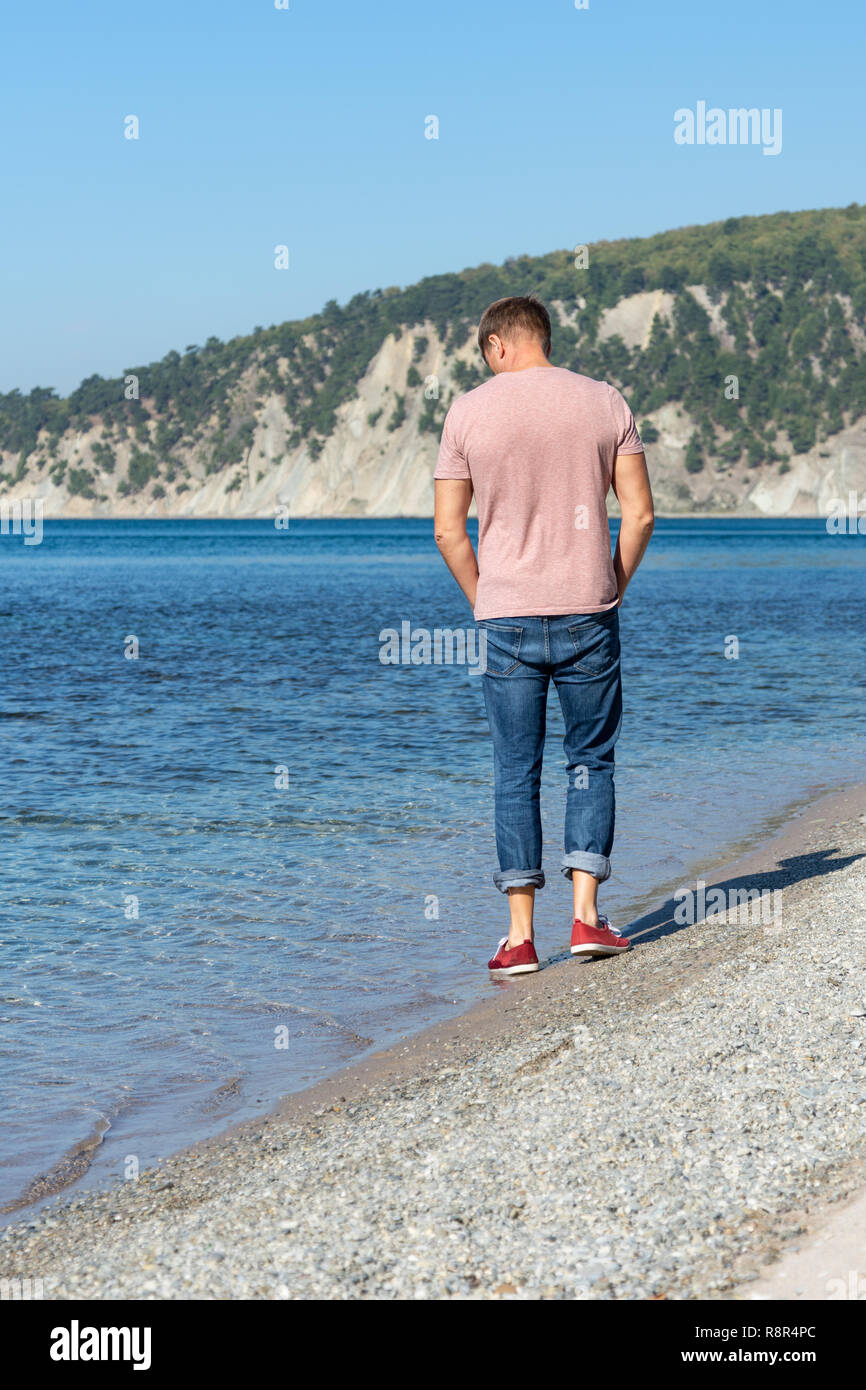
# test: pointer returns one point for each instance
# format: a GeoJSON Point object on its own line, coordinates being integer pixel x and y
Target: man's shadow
{"type": "Point", "coordinates": [652, 926]}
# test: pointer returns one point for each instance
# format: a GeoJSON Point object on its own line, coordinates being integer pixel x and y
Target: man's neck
{"type": "Point", "coordinates": [522, 363]}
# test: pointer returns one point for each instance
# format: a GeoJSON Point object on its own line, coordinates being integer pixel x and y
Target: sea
{"type": "Point", "coordinates": [243, 848]}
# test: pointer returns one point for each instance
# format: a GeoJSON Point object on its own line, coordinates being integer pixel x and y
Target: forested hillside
{"type": "Point", "coordinates": [740, 346]}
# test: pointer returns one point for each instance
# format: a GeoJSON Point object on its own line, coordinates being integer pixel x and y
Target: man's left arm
{"type": "Point", "coordinates": [452, 499]}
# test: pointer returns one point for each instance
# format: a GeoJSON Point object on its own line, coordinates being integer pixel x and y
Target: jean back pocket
{"type": "Point", "coordinates": [502, 645]}
{"type": "Point", "coordinates": [596, 643]}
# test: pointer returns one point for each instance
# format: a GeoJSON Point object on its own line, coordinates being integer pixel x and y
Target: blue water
{"type": "Point", "coordinates": [295, 914]}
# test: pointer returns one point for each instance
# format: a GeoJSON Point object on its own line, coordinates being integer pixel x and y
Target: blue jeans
{"type": "Point", "coordinates": [581, 652]}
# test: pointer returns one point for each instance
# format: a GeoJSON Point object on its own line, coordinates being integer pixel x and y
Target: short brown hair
{"type": "Point", "coordinates": [514, 317]}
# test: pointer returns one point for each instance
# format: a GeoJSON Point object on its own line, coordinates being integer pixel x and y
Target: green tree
{"type": "Point", "coordinates": [80, 483]}
{"type": "Point", "coordinates": [142, 467]}
{"type": "Point", "coordinates": [694, 455]}
{"type": "Point", "coordinates": [399, 414]}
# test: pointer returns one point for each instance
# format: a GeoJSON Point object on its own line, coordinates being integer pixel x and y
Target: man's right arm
{"type": "Point", "coordinates": [631, 485]}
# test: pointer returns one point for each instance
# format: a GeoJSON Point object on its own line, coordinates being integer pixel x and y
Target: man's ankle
{"type": "Point", "coordinates": [518, 938]}
{"type": "Point", "coordinates": [589, 917]}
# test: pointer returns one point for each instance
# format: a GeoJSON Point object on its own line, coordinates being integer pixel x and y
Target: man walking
{"type": "Point", "coordinates": [540, 446]}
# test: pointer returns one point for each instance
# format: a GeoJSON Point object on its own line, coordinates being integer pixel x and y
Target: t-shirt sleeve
{"type": "Point", "coordinates": [451, 462]}
{"type": "Point", "coordinates": [628, 441]}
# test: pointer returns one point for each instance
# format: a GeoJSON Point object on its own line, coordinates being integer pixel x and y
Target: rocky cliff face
{"type": "Point", "coordinates": [364, 469]}
{"type": "Point", "coordinates": [809, 483]}
{"type": "Point", "coordinates": [341, 415]}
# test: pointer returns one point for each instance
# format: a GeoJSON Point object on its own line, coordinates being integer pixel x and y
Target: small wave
{"type": "Point", "coordinates": [72, 1166]}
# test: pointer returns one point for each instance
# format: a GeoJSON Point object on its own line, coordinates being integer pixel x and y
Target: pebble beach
{"type": "Point", "coordinates": [662, 1125]}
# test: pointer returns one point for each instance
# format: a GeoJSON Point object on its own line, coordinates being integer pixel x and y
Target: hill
{"type": "Point", "coordinates": [739, 345]}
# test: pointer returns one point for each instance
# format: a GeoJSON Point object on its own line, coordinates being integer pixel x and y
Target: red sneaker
{"type": "Point", "coordinates": [520, 960]}
{"type": "Point", "coordinates": [603, 940]}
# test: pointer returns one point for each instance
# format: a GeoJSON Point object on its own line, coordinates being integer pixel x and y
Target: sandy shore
{"type": "Point", "coordinates": [666, 1124]}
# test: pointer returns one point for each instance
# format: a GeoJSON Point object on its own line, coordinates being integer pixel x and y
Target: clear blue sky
{"type": "Point", "coordinates": [306, 127]}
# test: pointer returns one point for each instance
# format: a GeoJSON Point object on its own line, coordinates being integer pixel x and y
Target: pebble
{"type": "Point", "coordinates": [662, 1156]}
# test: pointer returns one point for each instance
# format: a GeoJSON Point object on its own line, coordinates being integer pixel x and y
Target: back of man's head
{"type": "Point", "coordinates": [520, 316]}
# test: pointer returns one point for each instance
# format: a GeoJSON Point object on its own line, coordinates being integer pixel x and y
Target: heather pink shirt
{"type": "Point", "coordinates": [539, 446]}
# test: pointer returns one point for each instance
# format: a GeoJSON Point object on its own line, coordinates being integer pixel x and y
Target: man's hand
{"type": "Point", "coordinates": [631, 485]}
{"type": "Point", "coordinates": [453, 496]}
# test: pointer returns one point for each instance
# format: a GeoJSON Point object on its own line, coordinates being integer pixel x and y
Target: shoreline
{"type": "Point", "coordinates": [394, 1059]}
{"type": "Point", "coordinates": [486, 1019]}
{"type": "Point", "coordinates": [533, 1018]}
{"type": "Point", "coordinates": [738, 514]}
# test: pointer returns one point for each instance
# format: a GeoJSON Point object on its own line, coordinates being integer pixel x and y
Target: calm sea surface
{"type": "Point", "coordinates": [189, 933]}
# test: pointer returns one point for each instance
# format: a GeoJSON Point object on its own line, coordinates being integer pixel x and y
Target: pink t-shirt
{"type": "Point", "coordinates": [539, 446]}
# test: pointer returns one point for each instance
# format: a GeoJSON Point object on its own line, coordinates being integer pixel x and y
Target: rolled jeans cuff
{"type": "Point", "coordinates": [518, 878]}
{"type": "Point", "coordinates": [596, 864]}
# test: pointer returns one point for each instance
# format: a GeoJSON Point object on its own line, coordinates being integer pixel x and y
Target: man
{"type": "Point", "coordinates": [539, 447]}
